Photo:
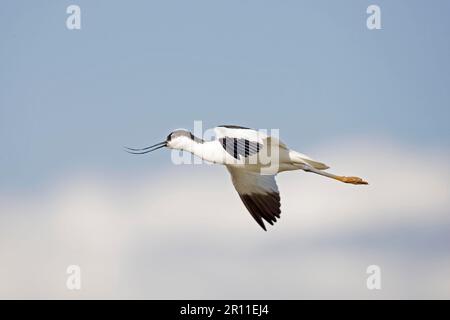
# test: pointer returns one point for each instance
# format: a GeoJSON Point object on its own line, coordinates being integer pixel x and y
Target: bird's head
{"type": "Point", "coordinates": [179, 139]}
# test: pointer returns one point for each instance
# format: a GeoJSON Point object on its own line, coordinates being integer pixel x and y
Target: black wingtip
{"type": "Point", "coordinates": [262, 207]}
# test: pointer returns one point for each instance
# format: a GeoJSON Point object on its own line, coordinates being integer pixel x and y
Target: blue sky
{"type": "Point", "coordinates": [69, 100]}
{"type": "Point", "coordinates": [370, 103]}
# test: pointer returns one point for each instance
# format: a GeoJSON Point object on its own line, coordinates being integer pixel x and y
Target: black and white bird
{"type": "Point", "coordinates": [253, 159]}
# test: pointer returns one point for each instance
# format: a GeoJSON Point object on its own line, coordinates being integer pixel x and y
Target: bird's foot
{"type": "Point", "coordinates": [353, 180]}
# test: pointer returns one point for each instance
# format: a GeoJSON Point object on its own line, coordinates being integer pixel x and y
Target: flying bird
{"type": "Point", "coordinates": [253, 159]}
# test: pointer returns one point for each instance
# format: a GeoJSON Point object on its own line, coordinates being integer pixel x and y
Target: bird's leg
{"type": "Point", "coordinates": [352, 180]}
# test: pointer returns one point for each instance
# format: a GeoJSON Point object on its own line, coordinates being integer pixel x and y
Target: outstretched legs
{"type": "Point", "coordinates": [352, 180]}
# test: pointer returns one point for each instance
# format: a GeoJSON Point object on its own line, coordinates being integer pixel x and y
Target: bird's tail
{"type": "Point", "coordinates": [316, 164]}
{"type": "Point", "coordinates": [297, 157]}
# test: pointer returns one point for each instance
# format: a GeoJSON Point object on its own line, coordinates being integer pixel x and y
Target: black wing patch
{"type": "Point", "coordinates": [240, 147]}
{"type": "Point", "coordinates": [263, 207]}
{"type": "Point", "coordinates": [228, 126]}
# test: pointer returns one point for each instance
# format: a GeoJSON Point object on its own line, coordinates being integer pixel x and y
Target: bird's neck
{"type": "Point", "coordinates": [194, 147]}
{"type": "Point", "coordinates": [205, 150]}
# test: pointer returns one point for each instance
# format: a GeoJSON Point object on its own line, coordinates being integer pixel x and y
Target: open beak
{"type": "Point", "coordinates": [146, 149]}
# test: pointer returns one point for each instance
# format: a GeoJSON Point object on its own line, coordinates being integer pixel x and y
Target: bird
{"type": "Point", "coordinates": [253, 158]}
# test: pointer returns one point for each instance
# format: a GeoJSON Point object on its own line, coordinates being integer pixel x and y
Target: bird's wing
{"type": "Point", "coordinates": [273, 141]}
{"type": "Point", "coordinates": [259, 193]}
{"type": "Point", "coordinates": [238, 147]}
{"type": "Point", "coordinates": [239, 132]}
{"type": "Point", "coordinates": [239, 141]}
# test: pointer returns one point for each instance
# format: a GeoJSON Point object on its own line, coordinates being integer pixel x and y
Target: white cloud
{"type": "Point", "coordinates": [185, 233]}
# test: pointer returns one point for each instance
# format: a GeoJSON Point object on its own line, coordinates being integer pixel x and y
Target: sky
{"type": "Point", "coordinates": [372, 103]}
